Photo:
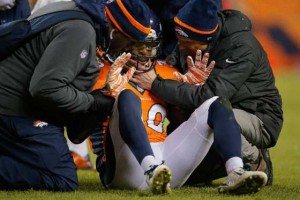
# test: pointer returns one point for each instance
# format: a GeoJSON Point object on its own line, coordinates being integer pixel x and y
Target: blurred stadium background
{"type": "Point", "coordinates": [276, 25]}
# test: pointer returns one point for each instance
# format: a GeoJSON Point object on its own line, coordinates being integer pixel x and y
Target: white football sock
{"type": "Point", "coordinates": [233, 163]}
{"type": "Point", "coordinates": [148, 161]}
{"type": "Point", "coordinates": [81, 149]}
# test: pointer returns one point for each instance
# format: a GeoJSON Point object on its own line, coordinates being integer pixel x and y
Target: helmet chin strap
{"type": "Point", "coordinates": [111, 57]}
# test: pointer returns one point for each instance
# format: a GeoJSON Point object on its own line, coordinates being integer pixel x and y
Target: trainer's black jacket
{"type": "Point", "coordinates": [242, 74]}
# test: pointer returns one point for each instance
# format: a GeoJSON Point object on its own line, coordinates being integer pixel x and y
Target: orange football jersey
{"type": "Point", "coordinates": [153, 109]}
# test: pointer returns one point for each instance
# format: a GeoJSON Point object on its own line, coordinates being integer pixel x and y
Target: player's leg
{"type": "Point", "coordinates": [227, 142]}
{"type": "Point", "coordinates": [185, 147]}
{"type": "Point", "coordinates": [129, 151]}
{"type": "Point", "coordinates": [132, 129]}
{"type": "Point", "coordinates": [35, 155]}
{"type": "Point", "coordinates": [127, 173]}
{"type": "Point", "coordinates": [102, 147]}
{"type": "Point", "coordinates": [212, 166]}
{"type": "Point", "coordinates": [129, 137]}
{"type": "Point", "coordinates": [227, 137]}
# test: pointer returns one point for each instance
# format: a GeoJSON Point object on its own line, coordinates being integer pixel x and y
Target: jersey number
{"type": "Point", "coordinates": [156, 117]}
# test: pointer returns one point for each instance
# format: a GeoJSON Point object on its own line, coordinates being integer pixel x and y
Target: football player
{"type": "Point", "coordinates": [140, 155]}
{"type": "Point", "coordinates": [151, 110]}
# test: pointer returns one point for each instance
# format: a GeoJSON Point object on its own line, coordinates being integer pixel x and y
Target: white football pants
{"type": "Point", "coordinates": [183, 150]}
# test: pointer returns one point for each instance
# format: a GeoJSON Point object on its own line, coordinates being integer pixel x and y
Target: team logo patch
{"type": "Point", "coordinates": [208, 38]}
{"type": "Point", "coordinates": [83, 54]}
{"type": "Point", "coordinates": [39, 124]}
{"type": "Point", "coordinates": [181, 32]}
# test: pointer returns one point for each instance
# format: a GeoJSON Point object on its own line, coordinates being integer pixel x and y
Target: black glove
{"type": "Point", "coordinates": [102, 104]}
{"type": "Point", "coordinates": [86, 123]}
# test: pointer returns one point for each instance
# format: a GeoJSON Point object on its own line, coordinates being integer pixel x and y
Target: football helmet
{"type": "Point", "coordinates": [143, 53]}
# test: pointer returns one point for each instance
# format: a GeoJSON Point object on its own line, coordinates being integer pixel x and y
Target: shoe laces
{"type": "Point", "coordinates": [234, 176]}
{"type": "Point", "coordinates": [151, 169]}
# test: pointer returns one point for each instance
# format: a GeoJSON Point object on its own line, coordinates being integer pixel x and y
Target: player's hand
{"type": "Point", "coordinates": [198, 72]}
{"type": "Point", "coordinates": [115, 81]}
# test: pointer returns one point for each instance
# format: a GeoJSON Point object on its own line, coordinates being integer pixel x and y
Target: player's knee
{"type": "Point", "coordinates": [220, 109]}
{"type": "Point", "coordinates": [220, 104]}
{"type": "Point", "coordinates": [127, 98]}
{"type": "Point", "coordinates": [223, 101]}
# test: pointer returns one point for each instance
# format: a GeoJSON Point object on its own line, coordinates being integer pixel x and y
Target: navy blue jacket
{"type": "Point", "coordinates": [20, 11]}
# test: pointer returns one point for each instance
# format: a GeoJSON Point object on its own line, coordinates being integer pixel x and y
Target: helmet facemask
{"type": "Point", "coordinates": [144, 54]}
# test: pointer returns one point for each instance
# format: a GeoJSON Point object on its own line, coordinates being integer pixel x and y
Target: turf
{"type": "Point", "coordinates": [285, 156]}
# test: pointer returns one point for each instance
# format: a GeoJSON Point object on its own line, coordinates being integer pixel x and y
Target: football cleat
{"type": "Point", "coordinates": [158, 178]}
{"type": "Point", "coordinates": [82, 162]}
{"type": "Point", "coordinates": [263, 164]}
{"type": "Point", "coordinates": [240, 181]}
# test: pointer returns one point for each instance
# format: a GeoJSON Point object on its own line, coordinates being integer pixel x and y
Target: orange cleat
{"type": "Point", "coordinates": [82, 162]}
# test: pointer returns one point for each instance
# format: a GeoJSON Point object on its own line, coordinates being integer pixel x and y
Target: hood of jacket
{"type": "Point", "coordinates": [234, 21]}
{"type": "Point", "coordinates": [230, 22]}
{"type": "Point", "coordinates": [95, 10]}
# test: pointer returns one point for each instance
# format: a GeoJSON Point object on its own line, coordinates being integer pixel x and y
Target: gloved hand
{"type": "Point", "coordinates": [7, 4]}
{"type": "Point", "coordinates": [115, 81]}
{"type": "Point", "coordinates": [198, 72]}
{"type": "Point", "coordinates": [102, 103]}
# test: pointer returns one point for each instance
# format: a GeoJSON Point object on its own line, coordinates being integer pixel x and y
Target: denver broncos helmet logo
{"type": "Point", "coordinates": [39, 124]}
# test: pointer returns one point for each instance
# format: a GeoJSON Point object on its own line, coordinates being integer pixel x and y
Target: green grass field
{"type": "Point", "coordinates": [285, 157]}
